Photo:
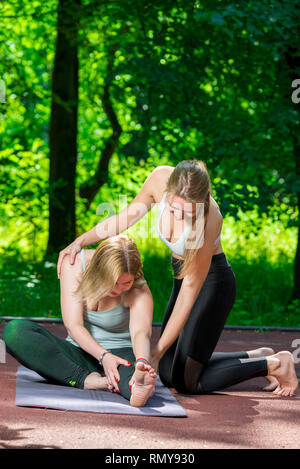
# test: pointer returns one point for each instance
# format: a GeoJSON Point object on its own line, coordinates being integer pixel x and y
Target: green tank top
{"type": "Point", "coordinates": [109, 328]}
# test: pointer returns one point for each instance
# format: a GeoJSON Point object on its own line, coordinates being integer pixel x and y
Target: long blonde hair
{"type": "Point", "coordinates": [113, 257]}
{"type": "Point", "coordinates": [190, 180]}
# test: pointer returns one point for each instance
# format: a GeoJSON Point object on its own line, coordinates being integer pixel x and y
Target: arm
{"type": "Point", "coordinates": [140, 323]}
{"type": "Point", "coordinates": [72, 309]}
{"type": "Point", "coordinates": [189, 291]}
{"type": "Point", "coordinates": [72, 314]}
{"type": "Point", "coordinates": [117, 223]}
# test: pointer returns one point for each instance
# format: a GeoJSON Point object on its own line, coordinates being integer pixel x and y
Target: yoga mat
{"type": "Point", "coordinates": [33, 390]}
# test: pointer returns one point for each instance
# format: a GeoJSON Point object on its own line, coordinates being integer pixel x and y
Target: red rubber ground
{"type": "Point", "coordinates": [239, 417]}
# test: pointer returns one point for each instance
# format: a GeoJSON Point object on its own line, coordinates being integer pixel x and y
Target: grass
{"type": "Point", "coordinates": [262, 263]}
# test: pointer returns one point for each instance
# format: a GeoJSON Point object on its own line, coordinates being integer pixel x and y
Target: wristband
{"type": "Point", "coordinates": [142, 359]}
{"type": "Point", "coordinates": [102, 356]}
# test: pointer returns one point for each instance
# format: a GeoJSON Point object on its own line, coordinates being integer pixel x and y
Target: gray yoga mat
{"type": "Point", "coordinates": [34, 391]}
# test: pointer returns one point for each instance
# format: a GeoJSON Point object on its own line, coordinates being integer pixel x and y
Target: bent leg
{"type": "Point", "coordinates": [166, 362]}
{"type": "Point", "coordinates": [193, 369]}
{"type": "Point", "coordinates": [223, 355]}
{"type": "Point", "coordinates": [198, 339]}
{"type": "Point", "coordinates": [221, 374]}
{"type": "Point", "coordinates": [209, 314]}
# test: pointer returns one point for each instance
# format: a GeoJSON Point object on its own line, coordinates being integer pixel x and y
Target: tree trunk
{"type": "Point", "coordinates": [63, 128]}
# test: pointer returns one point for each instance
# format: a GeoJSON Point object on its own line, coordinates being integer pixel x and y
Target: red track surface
{"type": "Point", "coordinates": [239, 417]}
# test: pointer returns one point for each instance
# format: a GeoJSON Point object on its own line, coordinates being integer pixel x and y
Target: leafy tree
{"type": "Point", "coordinates": [159, 82]}
{"type": "Point", "coordinates": [63, 127]}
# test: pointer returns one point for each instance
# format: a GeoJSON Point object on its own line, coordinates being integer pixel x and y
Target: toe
{"type": "Point", "coordinates": [271, 387]}
{"type": "Point", "coordinates": [277, 390]}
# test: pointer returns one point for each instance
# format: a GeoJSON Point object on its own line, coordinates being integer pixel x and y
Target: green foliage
{"type": "Point", "coordinates": [261, 261]}
{"type": "Point", "coordinates": [205, 80]}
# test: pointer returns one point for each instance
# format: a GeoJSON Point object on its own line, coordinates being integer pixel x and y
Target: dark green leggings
{"type": "Point", "coordinates": [58, 360]}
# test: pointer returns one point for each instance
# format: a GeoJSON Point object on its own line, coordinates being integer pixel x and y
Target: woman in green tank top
{"type": "Point", "coordinates": [107, 309]}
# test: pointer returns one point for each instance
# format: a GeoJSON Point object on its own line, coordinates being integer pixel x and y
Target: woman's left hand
{"type": "Point", "coordinates": [132, 380]}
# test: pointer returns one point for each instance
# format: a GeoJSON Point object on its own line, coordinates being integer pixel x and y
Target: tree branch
{"type": "Point", "coordinates": [89, 189]}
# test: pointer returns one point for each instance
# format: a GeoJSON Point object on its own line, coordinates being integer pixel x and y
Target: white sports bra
{"type": "Point", "coordinates": [178, 247]}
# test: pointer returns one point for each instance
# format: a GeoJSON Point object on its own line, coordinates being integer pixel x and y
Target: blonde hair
{"type": "Point", "coordinates": [113, 257]}
{"type": "Point", "coordinates": [190, 180]}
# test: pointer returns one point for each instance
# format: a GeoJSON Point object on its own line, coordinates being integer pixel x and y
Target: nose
{"type": "Point", "coordinates": [119, 290]}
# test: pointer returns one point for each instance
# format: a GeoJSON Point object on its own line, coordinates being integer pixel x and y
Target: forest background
{"type": "Point", "coordinates": [95, 94]}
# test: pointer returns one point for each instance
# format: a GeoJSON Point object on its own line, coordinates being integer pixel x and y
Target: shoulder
{"type": "Point", "coordinates": [215, 215]}
{"type": "Point", "coordinates": [163, 170]}
{"type": "Point", "coordinates": [159, 179]}
{"type": "Point", "coordinates": [153, 186]}
{"type": "Point", "coordinates": [162, 173]}
{"type": "Point", "coordinates": [72, 270]}
{"type": "Point", "coordinates": [136, 293]}
{"type": "Point", "coordinates": [214, 224]}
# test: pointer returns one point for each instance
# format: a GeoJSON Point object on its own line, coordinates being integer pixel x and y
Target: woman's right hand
{"type": "Point", "coordinates": [72, 250]}
{"type": "Point", "coordinates": [110, 365]}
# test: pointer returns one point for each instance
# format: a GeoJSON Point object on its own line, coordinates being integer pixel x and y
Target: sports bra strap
{"type": "Point", "coordinates": [162, 203]}
{"type": "Point", "coordinates": [82, 259]}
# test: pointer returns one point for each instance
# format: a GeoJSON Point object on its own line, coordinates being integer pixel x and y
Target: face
{"type": "Point", "coordinates": [124, 283]}
{"type": "Point", "coordinates": [181, 208]}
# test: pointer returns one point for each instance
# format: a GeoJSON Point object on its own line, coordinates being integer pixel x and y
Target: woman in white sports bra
{"type": "Point", "coordinates": [204, 289]}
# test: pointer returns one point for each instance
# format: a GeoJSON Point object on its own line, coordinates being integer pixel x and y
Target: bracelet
{"type": "Point", "coordinates": [102, 356]}
{"type": "Point", "coordinates": [143, 359]}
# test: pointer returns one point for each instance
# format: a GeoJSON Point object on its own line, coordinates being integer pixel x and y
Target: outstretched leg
{"type": "Point", "coordinates": [144, 385]}
{"type": "Point", "coordinates": [50, 356]}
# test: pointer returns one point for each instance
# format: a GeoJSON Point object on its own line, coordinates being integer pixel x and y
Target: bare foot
{"type": "Point", "coordinates": [281, 366]}
{"type": "Point", "coordinates": [265, 352]}
{"type": "Point", "coordinates": [273, 383]}
{"type": "Point", "coordinates": [144, 386]}
{"type": "Point", "coordinates": [95, 381]}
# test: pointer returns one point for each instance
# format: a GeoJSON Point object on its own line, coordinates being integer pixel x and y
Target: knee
{"type": "Point", "coordinates": [13, 330]}
{"type": "Point", "coordinates": [191, 376]}
{"type": "Point", "coordinates": [192, 387]}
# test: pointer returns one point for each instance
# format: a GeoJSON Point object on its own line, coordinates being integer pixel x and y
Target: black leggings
{"type": "Point", "coordinates": [58, 360]}
{"type": "Point", "coordinates": [189, 365]}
